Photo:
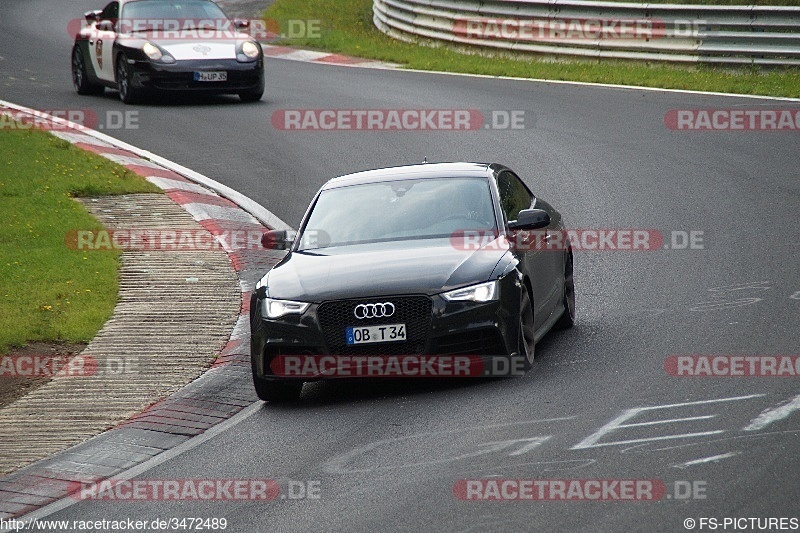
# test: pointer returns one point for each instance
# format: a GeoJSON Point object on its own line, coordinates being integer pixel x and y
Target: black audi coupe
{"type": "Point", "coordinates": [415, 262]}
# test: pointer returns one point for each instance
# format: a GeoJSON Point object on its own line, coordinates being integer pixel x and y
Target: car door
{"type": "Point", "coordinates": [541, 264]}
{"type": "Point", "coordinates": [101, 42]}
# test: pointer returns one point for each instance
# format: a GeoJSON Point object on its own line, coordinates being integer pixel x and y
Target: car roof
{"type": "Point", "coordinates": [419, 171]}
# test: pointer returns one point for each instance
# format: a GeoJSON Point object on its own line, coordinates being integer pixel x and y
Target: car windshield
{"type": "Point", "coordinates": [156, 12]}
{"type": "Point", "coordinates": [399, 210]}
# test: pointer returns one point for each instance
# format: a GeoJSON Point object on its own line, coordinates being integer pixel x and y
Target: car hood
{"type": "Point", "coordinates": [428, 266]}
{"type": "Point", "coordinates": [211, 44]}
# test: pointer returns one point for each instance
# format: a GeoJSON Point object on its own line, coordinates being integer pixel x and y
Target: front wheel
{"type": "Point", "coordinates": [277, 391]}
{"type": "Point", "coordinates": [80, 77]}
{"type": "Point", "coordinates": [526, 343]}
{"type": "Point", "coordinates": [127, 93]}
{"type": "Point", "coordinates": [251, 96]}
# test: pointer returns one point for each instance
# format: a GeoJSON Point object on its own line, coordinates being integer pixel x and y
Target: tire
{"type": "Point", "coordinates": [567, 319]}
{"type": "Point", "coordinates": [251, 96]}
{"type": "Point", "coordinates": [525, 343]}
{"type": "Point", "coordinates": [127, 93]}
{"type": "Point", "coordinates": [277, 391]}
{"type": "Point", "coordinates": [80, 78]}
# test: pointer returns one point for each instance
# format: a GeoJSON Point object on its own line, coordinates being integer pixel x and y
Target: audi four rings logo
{"type": "Point", "coordinates": [382, 310]}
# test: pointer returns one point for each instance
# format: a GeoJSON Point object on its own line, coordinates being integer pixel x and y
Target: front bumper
{"type": "Point", "coordinates": [179, 76]}
{"type": "Point", "coordinates": [435, 327]}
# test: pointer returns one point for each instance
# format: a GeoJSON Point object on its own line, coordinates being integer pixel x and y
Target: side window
{"type": "Point", "coordinates": [514, 196]}
{"type": "Point", "coordinates": [110, 12]}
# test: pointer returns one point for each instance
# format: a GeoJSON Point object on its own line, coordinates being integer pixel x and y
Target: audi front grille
{"type": "Point", "coordinates": [413, 311]}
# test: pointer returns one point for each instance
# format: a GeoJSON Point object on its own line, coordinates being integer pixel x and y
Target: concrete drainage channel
{"type": "Point", "coordinates": [177, 311]}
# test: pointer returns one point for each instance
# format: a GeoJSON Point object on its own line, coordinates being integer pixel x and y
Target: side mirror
{"type": "Point", "coordinates": [92, 16]}
{"type": "Point", "coordinates": [241, 24]}
{"type": "Point", "coordinates": [529, 219]}
{"type": "Point", "coordinates": [278, 239]}
{"type": "Point", "coordinates": [105, 25]}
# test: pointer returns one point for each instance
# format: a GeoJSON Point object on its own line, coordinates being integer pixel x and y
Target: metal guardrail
{"type": "Point", "coordinates": [723, 35]}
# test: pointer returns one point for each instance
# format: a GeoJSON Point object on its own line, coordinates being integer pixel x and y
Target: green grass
{"type": "Point", "coordinates": [49, 292]}
{"type": "Point", "coordinates": [348, 29]}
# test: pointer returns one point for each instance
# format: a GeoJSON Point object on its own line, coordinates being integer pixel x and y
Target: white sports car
{"type": "Point", "coordinates": [142, 46]}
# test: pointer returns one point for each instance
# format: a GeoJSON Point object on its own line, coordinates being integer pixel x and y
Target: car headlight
{"type": "Point", "coordinates": [152, 51]}
{"type": "Point", "coordinates": [483, 292]}
{"type": "Point", "coordinates": [277, 308]}
{"type": "Point", "coordinates": [155, 54]}
{"type": "Point", "coordinates": [248, 51]}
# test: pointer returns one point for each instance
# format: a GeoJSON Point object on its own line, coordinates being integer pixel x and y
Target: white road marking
{"type": "Point", "coordinates": [218, 212]}
{"type": "Point", "coordinates": [501, 445]}
{"type": "Point", "coordinates": [167, 184]}
{"type": "Point", "coordinates": [127, 160]}
{"type": "Point", "coordinates": [756, 285]}
{"type": "Point", "coordinates": [550, 466]}
{"type": "Point", "coordinates": [80, 138]}
{"type": "Point", "coordinates": [339, 464]}
{"type": "Point", "coordinates": [592, 440]}
{"type": "Point", "coordinates": [712, 459]}
{"type": "Point", "coordinates": [602, 85]}
{"type": "Point", "coordinates": [669, 421]}
{"type": "Point", "coordinates": [716, 306]}
{"type": "Point", "coordinates": [773, 415]}
{"type": "Point", "coordinates": [645, 447]}
{"type": "Point", "coordinates": [582, 445]}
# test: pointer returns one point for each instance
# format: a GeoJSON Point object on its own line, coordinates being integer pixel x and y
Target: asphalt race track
{"type": "Point", "coordinates": [388, 455]}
